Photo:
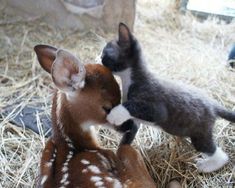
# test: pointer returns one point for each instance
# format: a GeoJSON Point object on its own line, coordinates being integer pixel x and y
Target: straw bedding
{"type": "Point", "coordinates": [175, 46]}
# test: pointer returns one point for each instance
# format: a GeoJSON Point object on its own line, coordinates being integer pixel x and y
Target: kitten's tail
{"type": "Point", "coordinates": [226, 114]}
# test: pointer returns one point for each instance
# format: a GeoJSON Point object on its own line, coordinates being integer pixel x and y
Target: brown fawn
{"type": "Point", "coordinates": [72, 156]}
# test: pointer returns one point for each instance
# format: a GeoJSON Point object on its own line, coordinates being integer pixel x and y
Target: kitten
{"type": "Point", "coordinates": [178, 109]}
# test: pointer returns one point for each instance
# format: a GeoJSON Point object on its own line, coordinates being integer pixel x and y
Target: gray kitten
{"type": "Point", "coordinates": [178, 109]}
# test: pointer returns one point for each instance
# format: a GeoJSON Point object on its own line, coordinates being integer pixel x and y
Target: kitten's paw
{"type": "Point", "coordinates": [212, 163]}
{"type": "Point", "coordinates": [118, 115]}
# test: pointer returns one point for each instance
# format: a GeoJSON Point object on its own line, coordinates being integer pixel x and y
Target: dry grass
{"type": "Point", "coordinates": [176, 46]}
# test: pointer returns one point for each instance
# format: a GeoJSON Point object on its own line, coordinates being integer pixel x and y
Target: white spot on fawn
{"type": "Point", "coordinates": [85, 162]}
{"type": "Point", "coordinates": [117, 184]}
{"type": "Point", "coordinates": [44, 179]}
{"type": "Point", "coordinates": [108, 179]}
{"type": "Point", "coordinates": [48, 164]}
{"type": "Point", "coordinates": [94, 169]}
{"type": "Point", "coordinates": [54, 155]}
{"type": "Point", "coordinates": [69, 156]}
{"type": "Point", "coordinates": [67, 139]}
{"type": "Point", "coordinates": [64, 181]}
{"type": "Point", "coordinates": [84, 171]}
{"type": "Point", "coordinates": [95, 178]}
{"type": "Point", "coordinates": [64, 178]}
{"type": "Point", "coordinates": [69, 142]}
{"type": "Point", "coordinates": [99, 183]}
{"type": "Point", "coordinates": [71, 145]}
{"type": "Point", "coordinates": [65, 169]}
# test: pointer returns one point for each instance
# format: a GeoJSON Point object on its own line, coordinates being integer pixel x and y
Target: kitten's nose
{"type": "Point", "coordinates": [109, 51]}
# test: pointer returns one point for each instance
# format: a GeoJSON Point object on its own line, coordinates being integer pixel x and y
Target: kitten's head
{"type": "Point", "coordinates": [118, 54]}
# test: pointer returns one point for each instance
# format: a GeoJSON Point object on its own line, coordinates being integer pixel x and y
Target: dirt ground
{"type": "Point", "coordinates": [175, 46]}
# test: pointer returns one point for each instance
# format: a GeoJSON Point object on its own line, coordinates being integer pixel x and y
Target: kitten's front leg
{"type": "Point", "coordinates": [121, 118]}
{"type": "Point", "coordinates": [129, 128]}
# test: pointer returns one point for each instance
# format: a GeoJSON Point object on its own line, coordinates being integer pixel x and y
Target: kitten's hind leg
{"type": "Point", "coordinates": [215, 156]}
{"type": "Point", "coordinates": [129, 128]}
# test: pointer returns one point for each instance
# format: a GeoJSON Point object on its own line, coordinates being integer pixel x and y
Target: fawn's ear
{"type": "Point", "coordinates": [68, 73]}
{"type": "Point", "coordinates": [46, 56]}
{"type": "Point", "coordinates": [124, 34]}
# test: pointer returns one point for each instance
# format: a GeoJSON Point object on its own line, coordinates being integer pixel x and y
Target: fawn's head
{"type": "Point", "coordinates": [88, 91]}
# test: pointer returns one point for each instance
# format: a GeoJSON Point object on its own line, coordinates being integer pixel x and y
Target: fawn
{"type": "Point", "coordinates": [72, 156]}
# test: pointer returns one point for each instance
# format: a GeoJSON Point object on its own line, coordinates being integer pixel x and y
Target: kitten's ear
{"type": "Point", "coordinates": [124, 34]}
{"type": "Point", "coordinates": [46, 56]}
{"type": "Point", "coordinates": [68, 73]}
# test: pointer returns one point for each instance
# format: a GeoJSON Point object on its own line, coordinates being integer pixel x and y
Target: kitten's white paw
{"type": "Point", "coordinates": [214, 162]}
{"type": "Point", "coordinates": [118, 115]}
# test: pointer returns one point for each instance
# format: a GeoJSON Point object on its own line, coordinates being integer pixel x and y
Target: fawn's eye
{"type": "Point", "coordinates": [106, 109]}
{"type": "Point", "coordinates": [104, 89]}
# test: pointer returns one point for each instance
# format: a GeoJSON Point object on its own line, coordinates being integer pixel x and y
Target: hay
{"type": "Point", "coordinates": [176, 46]}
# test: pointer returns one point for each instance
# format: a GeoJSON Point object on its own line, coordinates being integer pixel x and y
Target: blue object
{"type": "Point", "coordinates": [231, 57]}
{"type": "Point", "coordinates": [26, 117]}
